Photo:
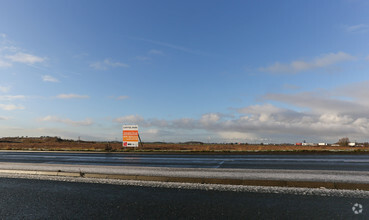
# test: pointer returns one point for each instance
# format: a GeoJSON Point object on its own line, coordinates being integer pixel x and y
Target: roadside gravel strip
{"type": "Point", "coordinates": [206, 187]}
{"type": "Point", "coordinates": [251, 177]}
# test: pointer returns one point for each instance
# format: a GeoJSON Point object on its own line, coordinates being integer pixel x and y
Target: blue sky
{"type": "Point", "coordinates": [214, 71]}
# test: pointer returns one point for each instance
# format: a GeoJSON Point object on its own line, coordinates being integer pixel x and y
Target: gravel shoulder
{"type": "Point", "coordinates": [207, 187]}
{"type": "Point", "coordinates": [361, 177]}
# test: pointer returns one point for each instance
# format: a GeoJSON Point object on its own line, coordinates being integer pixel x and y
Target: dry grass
{"type": "Point", "coordinates": [60, 145]}
{"type": "Point", "coordinates": [243, 147]}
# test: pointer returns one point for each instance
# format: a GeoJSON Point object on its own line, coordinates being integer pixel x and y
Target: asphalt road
{"type": "Point", "coordinates": [42, 199]}
{"type": "Point", "coordinates": [297, 162]}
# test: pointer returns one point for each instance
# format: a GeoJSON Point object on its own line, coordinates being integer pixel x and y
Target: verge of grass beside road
{"type": "Point", "coordinates": [83, 146]}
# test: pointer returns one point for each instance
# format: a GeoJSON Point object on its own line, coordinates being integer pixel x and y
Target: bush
{"type": "Point", "coordinates": [108, 147]}
{"type": "Point", "coordinates": [344, 141]}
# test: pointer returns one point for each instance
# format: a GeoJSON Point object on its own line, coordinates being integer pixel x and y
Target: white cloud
{"type": "Point", "coordinates": [152, 131]}
{"type": "Point", "coordinates": [231, 136]}
{"type": "Point", "coordinates": [316, 116]}
{"type": "Point", "coordinates": [72, 96]}
{"type": "Point", "coordinates": [25, 58]}
{"type": "Point", "coordinates": [65, 133]}
{"type": "Point", "coordinates": [319, 102]}
{"type": "Point", "coordinates": [11, 107]}
{"type": "Point", "coordinates": [356, 92]}
{"type": "Point", "coordinates": [48, 78]}
{"type": "Point", "coordinates": [300, 66]}
{"type": "Point", "coordinates": [4, 63]}
{"type": "Point", "coordinates": [256, 109]}
{"type": "Point", "coordinates": [11, 54]}
{"type": "Point", "coordinates": [209, 119]}
{"type": "Point", "coordinates": [335, 118]}
{"type": "Point", "coordinates": [4, 118]}
{"type": "Point", "coordinates": [359, 28]}
{"type": "Point", "coordinates": [129, 119]}
{"type": "Point", "coordinates": [11, 97]}
{"type": "Point", "coordinates": [122, 97]}
{"type": "Point", "coordinates": [4, 88]}
{"type": "Point", "coordinates": [323, 118]}
{"type": "Point", "coordinates": [106, 64]}
{"type": "Point", "coordinates": [86, 122]}
{"type": "Point", "coordinates": [182, 123]}
{"type": "Point", "coordinates": [12, 49]}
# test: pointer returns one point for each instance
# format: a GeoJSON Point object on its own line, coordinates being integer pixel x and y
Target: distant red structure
{"type": "Point", "coordinates": [298, 144]}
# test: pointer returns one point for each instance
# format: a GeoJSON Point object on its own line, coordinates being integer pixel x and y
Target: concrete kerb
{"type": "Point", "coordinates": [245, 182]}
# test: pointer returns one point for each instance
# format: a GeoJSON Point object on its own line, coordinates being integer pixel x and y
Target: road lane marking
{"type": "Point", "coordinates": [220, 164]}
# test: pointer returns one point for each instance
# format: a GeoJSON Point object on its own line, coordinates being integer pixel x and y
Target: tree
{"type": "Point", "coordinates": [344, 141]}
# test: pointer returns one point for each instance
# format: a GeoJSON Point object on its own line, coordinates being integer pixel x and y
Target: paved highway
{"type": "Point", "coordinates": [43, 199]}
{"type": "Point", "coordinates": [74, 198]}
{"type": "Point", "coordinates": [296, 162]}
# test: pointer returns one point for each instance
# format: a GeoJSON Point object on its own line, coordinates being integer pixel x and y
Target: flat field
{"type": "Point", "coordinates": [57, 144]}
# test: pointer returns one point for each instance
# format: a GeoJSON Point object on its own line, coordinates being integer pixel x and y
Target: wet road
{"type": "Point", "coordinates": [297, 162]}
{"type": "Point", "coordinates": [42, 199]}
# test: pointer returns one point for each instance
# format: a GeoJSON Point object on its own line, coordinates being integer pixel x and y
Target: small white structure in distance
{"type": "Point", "coordinates": [309, 144]}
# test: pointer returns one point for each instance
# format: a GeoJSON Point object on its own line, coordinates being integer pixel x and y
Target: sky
{"type": "Point", "coordinates": [213, 71]}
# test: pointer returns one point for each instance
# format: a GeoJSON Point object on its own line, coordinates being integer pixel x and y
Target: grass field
{"type": "Point", "coordinates": [57, 144]}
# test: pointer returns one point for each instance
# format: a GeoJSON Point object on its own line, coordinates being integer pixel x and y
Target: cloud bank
{"type": "Point", "coordinates": [48, 78]}
{"type": "Point", "coordinates": [11, 107]}
{"type": "Point", "coordinates": [72, 96]}
{"type": "Point", "coordinates": [86, 122]}
{"type": "Point", "coordinates": [25, 58]}
{"type": "Point", "coordinates": [321, 116]}
{"type": "Point", "coordinates": [106, 64]}
{"type": "Point", "coordinates": [300, 65]}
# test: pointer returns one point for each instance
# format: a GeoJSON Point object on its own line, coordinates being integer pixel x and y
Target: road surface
{"type": "Point", "coordinates": [296, 162]}
{"type": "Point", "coordinates": [65, 198]}
{"type": "Point", "coordinates": [43, 199]}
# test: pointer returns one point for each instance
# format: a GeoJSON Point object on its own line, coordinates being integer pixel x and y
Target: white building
{"type": "Point", "coordinates": [308, 144]}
